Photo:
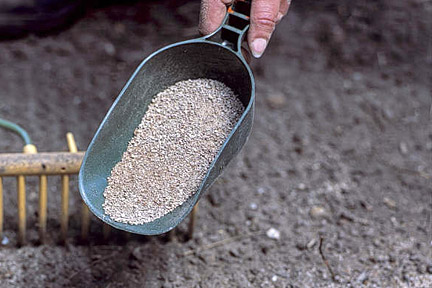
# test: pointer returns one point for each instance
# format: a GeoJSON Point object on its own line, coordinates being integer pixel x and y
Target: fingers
{"type": "Point", "coordinates": [264, 16]}
{"type": "Point", "coordinates": [283, 9]}
{"type": "Point", "coordinates": [212, 14]}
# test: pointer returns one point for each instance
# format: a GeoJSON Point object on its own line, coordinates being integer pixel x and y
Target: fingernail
{"type": "Point", "coordinates": [258, 47]}
{"type": "Point", "coordinates": [279, 17]}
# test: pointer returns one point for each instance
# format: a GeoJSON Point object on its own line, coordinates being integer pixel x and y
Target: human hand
{"type": "Point", "coordinates": [265, 14]}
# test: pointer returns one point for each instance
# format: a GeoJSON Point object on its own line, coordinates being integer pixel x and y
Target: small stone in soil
{"type": "Point", "coordinates": [5, 241]}
{"type": "Point", "coordinates": [272, 233]}
{"type": "Point", "coordinates": [389, 202]}
{"type": "Point", "coordinates": [311, 244]}
{"type": "Point", "coordinates": [317, 212]}
{"type": "Point", "coordinates": [403, 147]}
{"type": "Point", "coordinates": [276, 100]}
{"type": "Point", "coordinates": [301, 186]}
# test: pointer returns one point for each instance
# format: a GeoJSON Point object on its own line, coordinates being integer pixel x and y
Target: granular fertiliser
{"type": "Point", "coordinates": [171, 150]}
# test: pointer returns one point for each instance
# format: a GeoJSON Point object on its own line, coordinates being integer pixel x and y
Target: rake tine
{"type": "Point", "coordinates": [71, 143]}
{"type": "Point", "coordinates": [21, 209]}
{"type": "Point", "coordinates": [172, 235]}
{"type": "Point", "coordinates": [28, 149]}
{"type": "Point", "coordinates": [106, 230]}
{"type": "Point", "coordinates": [42, 208]}
{"type": "Point", "coordinates": [65, 191]}
{"type": "Point", "coordinates": [85, 221]}
{"type": "Point", "coordinates": [192, 220]}
{"type": "Point", "coordinates": [1, 208]}
{"type": "Point", "coordinates": [85, 212]}
{"type": "Point", "coordinates": [64, 208]}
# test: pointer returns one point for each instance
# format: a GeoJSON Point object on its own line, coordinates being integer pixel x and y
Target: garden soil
{"type": "Point", "coordinates": [333, 188]}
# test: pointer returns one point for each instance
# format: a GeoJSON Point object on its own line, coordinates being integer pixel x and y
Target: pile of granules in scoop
{"type": "Point", "coordinates": [171, 150]}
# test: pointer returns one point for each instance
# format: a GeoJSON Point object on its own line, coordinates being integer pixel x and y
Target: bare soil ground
{"type": "Point", "coordinates": [340, 153]}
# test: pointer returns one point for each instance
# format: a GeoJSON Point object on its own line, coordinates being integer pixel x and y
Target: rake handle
{"type": "Point", "coordinates": [48, 163]}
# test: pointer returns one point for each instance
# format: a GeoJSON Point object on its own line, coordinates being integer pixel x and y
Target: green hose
{"type": "Point", "coordinates": [17, 129]}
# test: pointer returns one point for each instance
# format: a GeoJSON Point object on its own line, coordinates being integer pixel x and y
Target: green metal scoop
{"type": "Point", "coordinates": [217, 56]}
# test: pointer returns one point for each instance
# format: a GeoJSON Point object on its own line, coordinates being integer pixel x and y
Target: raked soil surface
{"type": "Point", "coordinates": [340, 153]}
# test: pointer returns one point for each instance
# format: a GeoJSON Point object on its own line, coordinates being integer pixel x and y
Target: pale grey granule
{"type": "Point", "coordinates": [171, 150]}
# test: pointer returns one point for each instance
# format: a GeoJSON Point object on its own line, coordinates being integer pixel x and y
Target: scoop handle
{"type": "Point", "coordinates": [234, 27]}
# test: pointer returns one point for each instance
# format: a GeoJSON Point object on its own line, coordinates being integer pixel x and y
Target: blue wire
{"type": "Point", "coordinates": [17, 129]}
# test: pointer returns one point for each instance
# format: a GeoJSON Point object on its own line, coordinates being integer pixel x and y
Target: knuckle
{"type": "Point", "coordinates": [266, 21]}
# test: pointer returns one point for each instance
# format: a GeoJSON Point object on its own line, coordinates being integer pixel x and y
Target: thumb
{"type": "Point", "coordinates": [264, 15]}
{"type": "Point", "coordinates": [212, 13]}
